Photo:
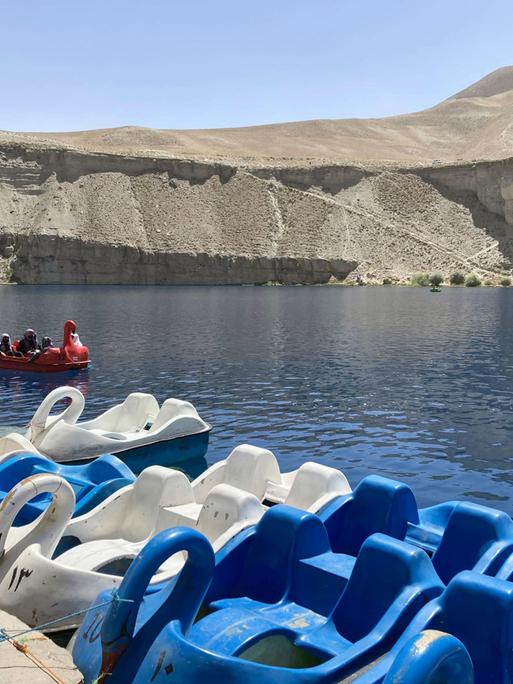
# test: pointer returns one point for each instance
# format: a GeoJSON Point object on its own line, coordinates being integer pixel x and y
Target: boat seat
{"type": "Point", "coordinates": [478, 611]}
{"type": "Point", "coordinates": [114, 556]}
{"type": "Point", "coordinates": [173, 516]}
{"type": "Point", "coordinates": [260, 567]}
{"type": "Point", "coordinates": [131, 416]}
{"type": "Point", "coordinates": [247, 467]}
{"type": "Point", "coordinates": [170, 410]}
{"type": "Point", "coordinates": [377, 504]}
{"type": "Point", "coordinates": [428, 532]}
{"type": "Point", "coordinates": [94, 555]}
{"type": "Point", "coordinates": [314, 485]}
{"type": "Point", "coordinates": [476, 538]}
{"type": "Point", "coordinates": [326, 575]}
{"type": "Point", "coordinates": [251, 468]}
{"type": "Point", "coordinates": [156, 487]}
{"type": "Point", "coordinates": [225, 507]}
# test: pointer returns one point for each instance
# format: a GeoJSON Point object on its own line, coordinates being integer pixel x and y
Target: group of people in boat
{"type": "Point", "coordinates": [27, 346]}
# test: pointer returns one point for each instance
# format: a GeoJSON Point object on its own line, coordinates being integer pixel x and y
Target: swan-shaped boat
{"type": "Point", "coordinates": [266, 615]}
{"type": "Point", "coordinates": [138, 431]}
{"type": "Point", "coordinates": [271, 611]}
{"type": "Point", "coordinates": [106, 539]}
{"type": "Point", "coordinates": [92, 482]}
{"type": "Point", "coordinates": [41, 581]}
{"type": "Point", "coordinates": [72, 355]}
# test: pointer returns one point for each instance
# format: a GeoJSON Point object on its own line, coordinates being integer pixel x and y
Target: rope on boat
{"type": "Point", "coordinates": [115, 599]}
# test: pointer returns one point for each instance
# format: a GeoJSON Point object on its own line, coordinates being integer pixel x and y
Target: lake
{"type": "Point", "coordinates": [395, 381]}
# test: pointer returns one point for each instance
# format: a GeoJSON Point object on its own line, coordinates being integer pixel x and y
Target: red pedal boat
{"type": "Point", "coordinates": [71, 356]}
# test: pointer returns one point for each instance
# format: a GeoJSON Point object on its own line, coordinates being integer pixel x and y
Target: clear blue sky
{"type": "Point", "coordinates": [75, 64]}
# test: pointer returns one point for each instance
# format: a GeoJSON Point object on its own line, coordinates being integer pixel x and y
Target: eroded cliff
{"type": "Point", "coordinates": [72, 212]}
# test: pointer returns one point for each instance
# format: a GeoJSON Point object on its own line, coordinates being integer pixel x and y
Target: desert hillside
{"type": "Point", "coordinates": [297, 202]}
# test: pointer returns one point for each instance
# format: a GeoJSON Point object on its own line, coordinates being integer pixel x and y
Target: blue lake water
{"type": "Point", "coordinates": [396, 381]}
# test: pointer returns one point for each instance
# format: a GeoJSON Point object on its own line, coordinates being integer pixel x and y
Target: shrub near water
{"type": "Point", "coordinates": [436, 279]}
{"type": "Point", "coordinates": [505, 282]}
{"type": "Point", "coordinates": [457, 278]}
{"type": "Point", "coordinates": [472, 281]}
{"type": "Point", "coordinates": [421, 279]}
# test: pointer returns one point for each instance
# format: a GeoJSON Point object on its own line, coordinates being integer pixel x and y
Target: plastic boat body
{"type": "Point", "coordinates": [261, 603]}
{"type": "Point", "coordinates": [107, 538]}
{"type": "Point", "coordinates": [92, 483]}
{"type": "Point", "coordinates": [272, 610]}
{"type": "Point", "coordinates": [55, 566]}
{"type": "Point", "coordinates": [73, 355]}
{"type": "Point", "coordinates": [138, 431]}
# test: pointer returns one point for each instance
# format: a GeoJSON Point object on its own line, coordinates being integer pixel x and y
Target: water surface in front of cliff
{"type": "Point", "coordinates": [393, 381]}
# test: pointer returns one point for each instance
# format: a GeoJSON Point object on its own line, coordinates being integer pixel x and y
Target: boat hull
{"type": "Point", "coordinates": [166, 453]}
{"type": "Point", "coordinates": [17, 363]}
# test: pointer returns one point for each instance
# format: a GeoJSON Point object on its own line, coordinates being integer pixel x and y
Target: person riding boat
{"type": "Point", "coordinates": [6, 347]}
{"type": "Point", "coordinates": [28, 343]}
{"type": "Point", "coordinates": [46, 343]}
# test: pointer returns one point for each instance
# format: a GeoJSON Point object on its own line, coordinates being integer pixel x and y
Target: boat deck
{"type": "Point", "coordinates": [33, 657]}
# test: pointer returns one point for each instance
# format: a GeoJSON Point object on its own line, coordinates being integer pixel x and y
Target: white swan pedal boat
{"type": "Point", "coordinates": [138, 431]}
{"type": "Point", "coordinates": [56, 565]}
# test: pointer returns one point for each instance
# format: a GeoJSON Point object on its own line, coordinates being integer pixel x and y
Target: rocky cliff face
{"type": "Point", "coordinates": [249, 206]}
{"type": "Point", "coordinates": [78, 217]}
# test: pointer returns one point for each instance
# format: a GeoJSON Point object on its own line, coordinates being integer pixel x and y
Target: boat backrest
{"type": "Point", "coordinates": [377, 504]}
{"type": "Point", "coordinates": [478, 610]}
{"type": "Point", "coordinates": [312, 482]}
{"type": "Point", "coordinates": [134, 413]}
{"type": "Point", "coordinates": [283, 536]}
{"type": "Point", "coordinates": [251, 468]}
{"type": "Point", "coordinates": [154, 488]}
{"type": "Point", "coordinates": [226, 506]}
{"type": "Point", "coordinates": [172, 409]}
{"type": "Point", "coordinates": [385, 570]}
{"type": "Point", "coordinates": [470, 532]}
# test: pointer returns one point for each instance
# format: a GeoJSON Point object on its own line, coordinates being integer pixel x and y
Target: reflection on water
{"type": "Point", "coordinates": [382, 380]}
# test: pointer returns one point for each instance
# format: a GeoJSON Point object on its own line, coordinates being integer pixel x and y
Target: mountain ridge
{"type": "Point", "coordinates": [474, 123]}
{"type": "Point", "coordinates": [305, 202]}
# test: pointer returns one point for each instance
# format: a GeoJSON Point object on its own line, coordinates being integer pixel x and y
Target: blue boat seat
{"type": "Point", "coordinates": [478, 611]}
{"type": "Point", "coordinates": [476, 538]}
{"type": "Point", "coordinates": [428, 532]}
{"type": "Point", "coordinates": [377, 504]}
{"type": "Point", "coordinates": [263, 568]}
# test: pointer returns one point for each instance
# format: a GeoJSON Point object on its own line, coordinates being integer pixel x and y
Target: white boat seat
{"type": "Point", "coordinates": [155, 488]}
{"type": "Point", "coordinates": [170, 409]}
{"type": "Point", "coordinates": [114, 556]}
{"type": "Point", "coordinates": [94, 555]}
{"type": "Point", "coordinates": [172, 516]}
{"type": "Point", "coordinates": [247, 467]}
{"type": "Point", "coordinates": [250, 468]}
{"type": "Point", "coordinates": [137, 410]}
{"type": "Point", "coordinates": [314, 485]}
{"type": "Point", "coordinates": [256, 470]}
{"type": "Point", "coordinates": [225, 507]}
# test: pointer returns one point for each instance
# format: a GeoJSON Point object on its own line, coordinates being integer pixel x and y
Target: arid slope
{"type": "Point", "coordinates": [298, 202]}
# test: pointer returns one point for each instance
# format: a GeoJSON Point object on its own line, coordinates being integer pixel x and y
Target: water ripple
{"type": "Point", "coordinates": [391, 381]}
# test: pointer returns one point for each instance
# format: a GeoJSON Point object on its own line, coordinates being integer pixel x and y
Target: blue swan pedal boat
{"type": "Point", "coordinates": [296, 600]}
{"type": "Point", "coordinates": [92, 482]}
{"type": "Point", "coordinates": [261, 601]}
